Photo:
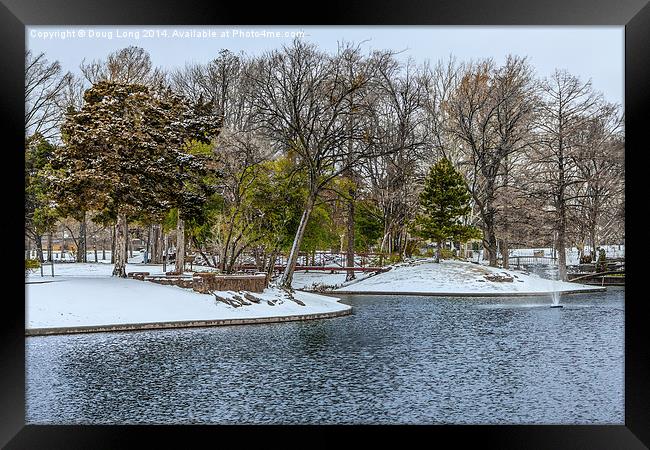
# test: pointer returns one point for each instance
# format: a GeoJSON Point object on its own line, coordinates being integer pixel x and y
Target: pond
{"type": "Point", "coordinates": [396, 359]}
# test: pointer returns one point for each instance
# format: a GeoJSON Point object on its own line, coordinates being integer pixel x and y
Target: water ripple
{"type": "Point", "coordinates": [395, 360]}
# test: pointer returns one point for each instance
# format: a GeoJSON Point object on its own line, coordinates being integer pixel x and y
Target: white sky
{"type": "Point", "coordinates": [590, 52]}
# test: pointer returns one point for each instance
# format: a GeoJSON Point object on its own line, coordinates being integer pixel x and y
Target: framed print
{"type": "Point", "coordinates": [383, 218]}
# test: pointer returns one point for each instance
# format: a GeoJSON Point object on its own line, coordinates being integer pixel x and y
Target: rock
{"type": "Point", "coordinates": [240, 299]}
{"type": "Point", "coordinates": [138, 275]}
{"type": "Point", "coordinates": [290, 296]}
{"type": "Point", "coordinates": [270, 302]}
{"type": "Point", "coordinates": [251, 297]}
{"type": "Point", "coordinates": [499, 278]}
{"type": "Point", "coordinates": [227, 301]}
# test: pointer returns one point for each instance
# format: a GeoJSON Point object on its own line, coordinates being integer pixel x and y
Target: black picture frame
{"type": "Point", "coordinates": [16, 14]}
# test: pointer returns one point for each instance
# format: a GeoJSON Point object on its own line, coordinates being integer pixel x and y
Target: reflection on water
{"type": "Point", "coordinates": [395, 360]}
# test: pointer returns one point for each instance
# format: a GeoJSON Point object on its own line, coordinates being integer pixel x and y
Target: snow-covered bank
{"type": "Point", "coordinates": [323, 280]}
{"type": "Point", "coordinates": [457, 277]}
{"type": "Point", "coordinates": [85, 295]}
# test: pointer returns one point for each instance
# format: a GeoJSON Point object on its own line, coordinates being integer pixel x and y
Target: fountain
{"type": "Point", "coordinates": [556, 300]}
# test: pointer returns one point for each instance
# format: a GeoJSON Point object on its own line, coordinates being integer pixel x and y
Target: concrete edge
{"type": "Point", "coordinates": [465, 294]}
{"type": "Point", "coordinates": [183, 324]}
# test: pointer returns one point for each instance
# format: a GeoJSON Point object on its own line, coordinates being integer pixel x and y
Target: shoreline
{"type": "Point", "coordinates": [464, 294]}
{"type": "Point", "coordinates": [50, 331]}
{"type": "Point", "coordinates": [87, 300]}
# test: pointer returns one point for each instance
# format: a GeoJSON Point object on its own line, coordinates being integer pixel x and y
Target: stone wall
{"type": "Point", "coordinates": [205, 282]}
{"type": "Point", "coordinates": [184, 282]}
{"type": "Point", "coordinates": [208, 281]}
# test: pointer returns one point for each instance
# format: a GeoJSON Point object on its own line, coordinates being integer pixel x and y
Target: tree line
{"type": "Point", "coordinates": [299, 149]}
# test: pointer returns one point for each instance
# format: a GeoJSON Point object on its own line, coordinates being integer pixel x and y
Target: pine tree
{"type": "Point", "coordinates": [444, 201]}
{"type": "Point", "coordinates": [124, 155]}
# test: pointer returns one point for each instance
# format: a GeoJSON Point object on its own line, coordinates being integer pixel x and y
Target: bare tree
{"type": "Point", "coordinates": [130, 65]}
{"type": "Point", "coordinates": [439, 82]}
{"type": "Point", "coordinates": [567, 105]}
{"type": "Point", "coordinates": [599, 160]}
{"type": "Point", "coordinates": [491, 109]}
{"type": "Point", "coordinates": [304, 100]}
{"type": "Point", "coordinates": [221, 82]}
{"type": "Point", "coordinates": [398, 130]}
{"type": "Point", "coordinates": [45, 84]}
{"type": "Point", "coordinates": [238, 158]}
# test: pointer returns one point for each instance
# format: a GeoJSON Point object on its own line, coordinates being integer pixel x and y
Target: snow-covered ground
{"type": "Point", "coordinates": [324, 280]}
{"type": "Point", "coordinates": [456, 277]}
{"type": "Point", "coordinates": [86, 295]}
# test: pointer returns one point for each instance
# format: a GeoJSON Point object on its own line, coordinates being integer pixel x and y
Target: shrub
{"type": "Point", "coordinates": [394, 258]}
{"type": "Point", "coordinates": [446, 253]}
{"type": "Point", "coordinates": [31, 265]}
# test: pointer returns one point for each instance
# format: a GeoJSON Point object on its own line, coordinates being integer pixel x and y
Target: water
{"type": "Point", "coordinates": [556, 298]}
{"type": "Point", "coordinates": [395, 360]}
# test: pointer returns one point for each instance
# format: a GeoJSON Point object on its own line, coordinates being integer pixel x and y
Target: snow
{"type": "Point", "coordinates": [456, 277]}
{"type": "Point", "coordinates": [324, 280]}
{"type": "Point", "coordinates": [86, 295]}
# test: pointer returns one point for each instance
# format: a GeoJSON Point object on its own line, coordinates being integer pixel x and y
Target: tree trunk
{"type": "Point", "coordinates": [39, 248]}
{"type": "Point", "coordinates": [50, 247]}
{"type": "Point", "coordinates": [120, 253]}
{"type": "Point", "coordinates": [103, 249]}
{"type": "Point", "coordinates": [180, 245]}
{"type": "Point", "coordinates": [561, 245]}
{"type": "Point", "coordinates": [259, 259]}
{"type": "Point", "coordinates": [147, 246]}
{"type": "Point", "coordinates": [594, 245]}
{"type": "Point", "coordinates": [166, 247]}
{"type": "Point", "coordinates": [81, 242]}
{"type": "Point", "coordinates": [95, 247]}
{"type": "Point", "coordinates": [234, 257]}
{"type": "Point", "coordinates": [231, 261]}
{"type": "Point", "coordinates": [438, 250]}
{"type": "Point", "coordinates": [271, 263]}
{"type": "Point", "coordinates": [205, 257]}
{"type": "Point", "coordinates": [158, 244]}
{"type": "Point", "coordinates": [561, 255]}
{"type": "Point", "coordinates": [384, 242]}
{"type": "Point", "coordinates": [504, 254]}
{"type": "Point", "coordinates": [490, 245]}
{"type": "Point", "coordinates": [350, 250]}
{"type": "Point", "coordinates": [154, 244]}
{"type": "Point", "coordinates": [113, 228]}
{"type": "Point", "coordinates": [581, 251]}
{"type": "Point", "coordinates": [287, 276]}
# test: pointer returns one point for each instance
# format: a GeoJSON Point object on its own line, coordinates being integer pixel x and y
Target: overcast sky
{"type": "Point", "coordinates": [590, 52]}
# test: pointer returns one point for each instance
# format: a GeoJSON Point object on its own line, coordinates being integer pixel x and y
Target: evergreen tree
{"type": "Point", "coordinates": [40, 215]}
{"type": "Point", "coordinates": [444, 201]}
{"type": "Point", "coordinates": [124, 155]}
